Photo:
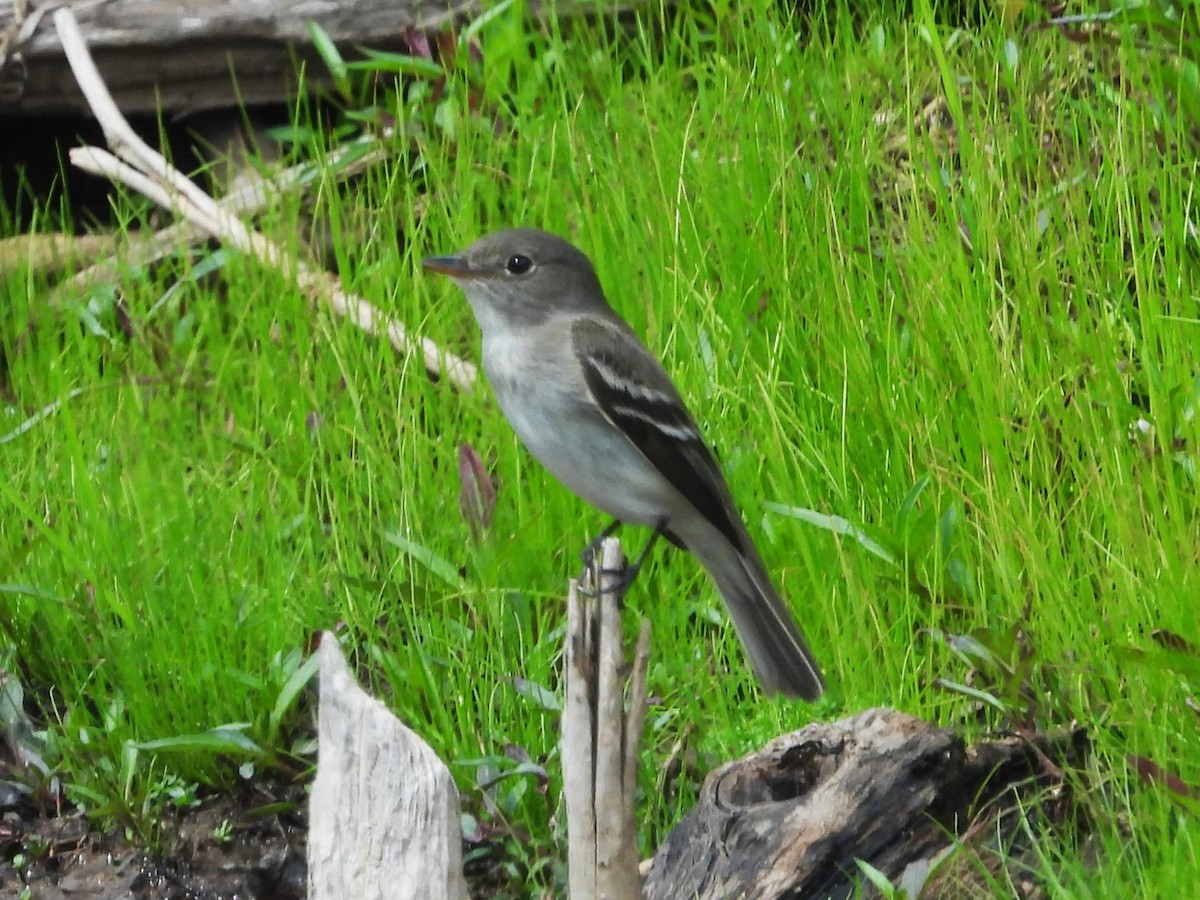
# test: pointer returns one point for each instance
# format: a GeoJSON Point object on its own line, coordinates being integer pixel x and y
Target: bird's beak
{"type": "Point", "coordinates": [454, 266]}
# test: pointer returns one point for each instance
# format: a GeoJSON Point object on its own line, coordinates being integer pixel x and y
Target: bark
{"type": "Point", "coordinates": [191, 55]}
{"type": "Point", "coordinates": [881, 787]}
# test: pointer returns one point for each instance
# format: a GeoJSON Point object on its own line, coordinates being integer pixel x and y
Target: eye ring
{"type": "Point", "coordinates": [518, 264]}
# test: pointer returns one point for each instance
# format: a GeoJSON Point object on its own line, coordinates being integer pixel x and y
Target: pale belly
{"type": "Point", "coordinates": [591, 459]}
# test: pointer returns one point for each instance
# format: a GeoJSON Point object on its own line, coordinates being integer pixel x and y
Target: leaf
{"type": "Point", "coordinates": [1012, 55]}
{"type": "Point", "coordinates": [909, 503]}
{"type": "Point", "coordinates": [18, 730]}
{"type": "Point", "coordinates": [541, 696]}
{"type": "Point", "coordinates": [982, 696]}
{"type": "Point", "coordinates": [397, 64]}
{"type": "Point", "coordinates": [948, 529]}
{"type": "Point", "coordinates": [291, 690]}
{"type": "Point", "coordinates": [1171, 641]}
{"type": "Point", "coordinates": [472, 31]}
{"type": "Point", "coordinates": [209, 263]}
{"type": "Point", "coordinates": [969, 646]}
{"type": "Point", "coordinates": [417, 42]}
{"type": "Point", "coordinates": [914, 877]}
{"type": "Point", "coordinates": [916, 874]}
{"type": "Point", "coordinates": [427, 558]}
{"type": "Point", "coordinates": [1010, 11]}
{"type": "Point", "coordinates": [878, 879]}
{"type": "Point", "coordinates": [24, 590]}
{"type": "Point", "coordinates": [1166, 660]}
{"type": "Point", "coordinates": [223, 739]}
{"type": "Point", "coordinates": [878, 42]}
{"type": "Point", "coordinates": [496, 777]}
{"type": "Point", "coordinates": [837, 525]}
{"type": "Point", "coordinates": [477, 499]}
{"type": "Point", "coordinates": [489, 763]}
{"type": "Point", "coordinates": [469, 827]}
{"type": "Point", "coordinates": [329, 54]}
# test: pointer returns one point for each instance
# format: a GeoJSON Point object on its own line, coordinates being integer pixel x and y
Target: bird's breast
{"type": "Point", "coordinates": [541, 392]}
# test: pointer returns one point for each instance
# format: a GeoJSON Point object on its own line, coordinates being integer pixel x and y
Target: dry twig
{"type": "Point", "coordinates": [136, 164]}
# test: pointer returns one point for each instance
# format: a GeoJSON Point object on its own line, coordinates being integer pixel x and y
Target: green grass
{"type": "Point", "coordinates": [938, 316]}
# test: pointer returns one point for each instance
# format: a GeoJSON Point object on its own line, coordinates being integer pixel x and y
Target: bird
{"type": "Point", "coordinates": [597, 409]}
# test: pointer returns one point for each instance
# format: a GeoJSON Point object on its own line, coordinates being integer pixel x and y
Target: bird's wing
{"type": "Point", "coordinates": [637, 396]}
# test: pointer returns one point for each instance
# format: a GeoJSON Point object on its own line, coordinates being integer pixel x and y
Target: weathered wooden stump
{"type": "Point", "coordinates": [384, 814]}
{"type": "Point", "coordinates": [601, 729]}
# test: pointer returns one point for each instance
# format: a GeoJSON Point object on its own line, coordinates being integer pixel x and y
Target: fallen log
{"type": "Point", "coordinates": [195, 54]}
{"type": "Point", "coordinates": [798, 817]}
{"type": "Point", "coordinates": [186, 56]}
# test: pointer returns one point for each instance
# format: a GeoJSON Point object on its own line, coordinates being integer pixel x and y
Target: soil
{"type": "Point", "coordinates": [249, 848]}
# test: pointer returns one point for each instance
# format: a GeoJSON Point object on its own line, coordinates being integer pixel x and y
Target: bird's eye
{"type": "Point", "coordinates": [518, 264]}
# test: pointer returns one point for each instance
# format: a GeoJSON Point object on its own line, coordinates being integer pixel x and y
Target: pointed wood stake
{"type": "Point", "coordinates": [600, 737]}
{"type": "Point", "coordinates": [384, 814]}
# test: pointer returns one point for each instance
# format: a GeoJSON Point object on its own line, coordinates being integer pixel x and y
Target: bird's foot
{"type": "Point", "coordinates": [589, 552]}
{"type": "Point", "coordinates": [614, 581]}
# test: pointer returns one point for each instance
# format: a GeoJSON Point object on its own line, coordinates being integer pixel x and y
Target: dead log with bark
{"type": "Point", "coordinates": [188, 56]}
{"type": "Point", "coordinates": [192, 55]}
{"type": "Point", "coordinates": [906, 798]}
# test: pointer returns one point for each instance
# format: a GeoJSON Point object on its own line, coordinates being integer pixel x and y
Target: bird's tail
{"type": "Point", "coordinates": [776, 648]}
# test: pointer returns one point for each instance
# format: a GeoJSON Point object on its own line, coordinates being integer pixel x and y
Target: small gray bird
{"type": "Point", "coordinates": [596, 408]}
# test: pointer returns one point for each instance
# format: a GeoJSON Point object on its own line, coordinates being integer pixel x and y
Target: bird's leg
{"type": "Point", "coordinates": [589, 552]}
{"type": "Point", "coordinates": [660, 529]}
{"type": "Point", "coordinates": [625, 576]}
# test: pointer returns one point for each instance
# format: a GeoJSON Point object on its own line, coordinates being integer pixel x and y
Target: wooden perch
{"type": "Point", "coordinates": [600, 736]}
{"type": "Point", "coordinates": [881, 787]}
{"type": "Point", "coordinates": [383, 818]}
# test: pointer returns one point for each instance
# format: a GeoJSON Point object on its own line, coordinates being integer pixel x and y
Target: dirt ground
{"type": "Point", "coordinates": [225, 849]}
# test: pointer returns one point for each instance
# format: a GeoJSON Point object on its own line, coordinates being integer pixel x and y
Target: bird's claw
{"type": "Point", "coordinates": [613, 581]}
